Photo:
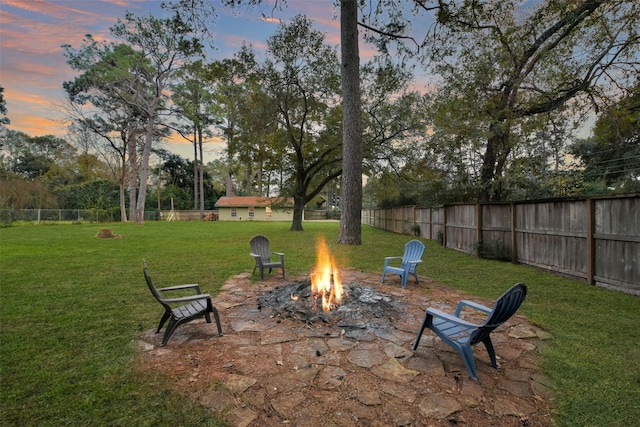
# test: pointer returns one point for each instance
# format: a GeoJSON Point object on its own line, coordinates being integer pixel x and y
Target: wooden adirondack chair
{"type": "Point", "coordinates": [196, 306]}
{"type": "Point", "coordinates": [262, 255]}
{"type": "Point", "coordinates": [413, 251]}
{"type": "Point", "coordinates": [462, 335]}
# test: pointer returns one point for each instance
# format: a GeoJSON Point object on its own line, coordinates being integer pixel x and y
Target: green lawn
{"type": "Point", "coordinates": [71, 306]}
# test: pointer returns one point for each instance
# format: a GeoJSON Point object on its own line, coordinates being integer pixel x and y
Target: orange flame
{"type": "Point", "coordinates": [325, 278]}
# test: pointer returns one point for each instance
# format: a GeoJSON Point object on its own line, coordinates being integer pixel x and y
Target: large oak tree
{"type": "Point", "coordinates": [502, 63]}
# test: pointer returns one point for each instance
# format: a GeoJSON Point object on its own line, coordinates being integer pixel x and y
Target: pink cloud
{"type": "Point", "coordinates": [49, 9]}
{"type": "Point", "coordinates": [271, 20]}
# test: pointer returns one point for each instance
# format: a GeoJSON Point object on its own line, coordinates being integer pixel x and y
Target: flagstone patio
{"type": "Point", "coordinates": [268, 370]}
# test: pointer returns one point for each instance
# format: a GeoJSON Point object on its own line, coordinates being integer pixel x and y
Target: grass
{"type": "Point", "coordinates": [72, 305]}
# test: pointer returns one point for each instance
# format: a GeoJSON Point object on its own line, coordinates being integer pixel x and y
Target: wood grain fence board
{"type": "Point", "coordinates": [596, 240]}
{"type": "Point", "coordinates": [617, 262]}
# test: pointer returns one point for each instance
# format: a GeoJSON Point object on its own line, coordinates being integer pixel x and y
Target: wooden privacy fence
{"type": "Point", "coordinates": [596, 240]}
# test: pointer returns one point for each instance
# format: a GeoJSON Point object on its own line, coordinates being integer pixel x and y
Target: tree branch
{"type": "Point", "coordinates": [391, 35]}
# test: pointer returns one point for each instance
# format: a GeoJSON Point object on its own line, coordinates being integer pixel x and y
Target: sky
{"type": "Point", "coordinates": [33, 66]}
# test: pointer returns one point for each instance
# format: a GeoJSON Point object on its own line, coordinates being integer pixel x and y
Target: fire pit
{"type": "Point", "coordinates": [365, 310]}
{"type": "Point", "coordinates": [357, 310]}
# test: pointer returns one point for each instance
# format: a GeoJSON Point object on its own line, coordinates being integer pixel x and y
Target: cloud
{"type": "Point", "coordinates": [34, 125]}
{"type": "Point", "coordinates": [56, 11]}
{"type": "Point", "coordinates": [271, 20]}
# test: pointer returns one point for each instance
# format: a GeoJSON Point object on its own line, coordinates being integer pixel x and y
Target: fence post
{"type": "Point", "coordinates": [479, 229]}
{"type": "Point", "coordinates": [591, 249]}
{"type": "Point", "coordinates": [413, 227]}
{"type": "Point", "coordinates": [431, 224]}
{"type": "Point", "coordinates": [444, 226]}
{"type": "Point", "coordinates": [514, 239]}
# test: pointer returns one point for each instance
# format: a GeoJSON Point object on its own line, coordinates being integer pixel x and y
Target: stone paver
{"type": "Point", "coordinates": [276, 371]}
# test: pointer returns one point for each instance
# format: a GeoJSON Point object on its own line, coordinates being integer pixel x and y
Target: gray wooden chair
{"type": "Point", "coordinates": [196, 306]}
{"type": "Point", "coordinates": [413, 251]}
{"type": "Point", "coordinates": [462, 335]}
{"type": "Point", "coordinates": [262, 255]}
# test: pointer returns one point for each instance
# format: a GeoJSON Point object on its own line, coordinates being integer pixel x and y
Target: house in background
{"type": "Point", "coordinates": [250, 208]}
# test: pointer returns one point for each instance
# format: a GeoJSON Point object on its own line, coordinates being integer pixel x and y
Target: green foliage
{"type": "Point", "coordinates": [612, 155]}
{"type": "Point", "coordinates": [136, 75]}
{"type": "Point", "coordinates": [73, 306]}
{"type": "Point", "coordinates": [96, 194]}
{"type": "Point", "coordinates": [505, 68]}
{"type": "Point", "coordinates": [4, 120]}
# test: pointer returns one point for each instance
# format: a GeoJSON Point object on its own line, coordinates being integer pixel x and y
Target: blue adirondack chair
{"type": "Point", "coordinates": [462, 335]}
{"type": "Point", "coordinates": [413, 251]}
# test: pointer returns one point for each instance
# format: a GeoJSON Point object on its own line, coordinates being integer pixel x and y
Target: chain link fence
{"type": "Point", "coordinates": [8, 216]}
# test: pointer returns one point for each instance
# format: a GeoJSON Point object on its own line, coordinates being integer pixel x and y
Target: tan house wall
{"type": "Point", "coordinates": [260, 214]}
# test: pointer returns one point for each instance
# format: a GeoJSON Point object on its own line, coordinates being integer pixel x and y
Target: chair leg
{"type": "Point", "coordinates": [384, 274]}
{"type": "Point", "coordinates": [492, 354]}
{"type": "Point", "coordinates": [404, 280]}
{"type": "Point", "coordinates": [173, 324]}
{"type": "Point", "coordinates": [467, 357]}
{"type": "Point", "coordinates": [425, 324]}
{"type": "Point", "coordinates": [212, 309]}
{"type": "Point", "coordinates": [164, 318]}
{"type": "Point", "coordinates": [217, 319]}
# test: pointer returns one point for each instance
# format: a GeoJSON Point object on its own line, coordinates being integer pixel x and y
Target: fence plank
{"type": "Point", "coordinates": [596, 240]}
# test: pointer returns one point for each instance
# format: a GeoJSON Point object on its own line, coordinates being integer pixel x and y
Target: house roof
{"type": "Point", "coordinates": [251, 201]}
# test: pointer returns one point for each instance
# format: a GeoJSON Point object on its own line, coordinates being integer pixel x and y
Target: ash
{"type": "Point", "coordinates": [362, 309]}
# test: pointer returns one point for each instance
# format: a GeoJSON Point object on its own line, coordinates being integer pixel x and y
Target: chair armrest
{"type": "Point", "coordinates": [182, 287]}
{"type": "Point", "coordinates": [388, 259]}
{"type": "Point", "coordinates": [187, 298]}
{"type": "Point", "coordinates": [281, 255]}
{"type": "Point", "coordinates": [418, 261]}
{"type": "Point", "coordinates": [257, 257]}
{"type": "Point", "coordinates": [449, 317]}
{"type": "Point", "coordinates": [472, 304]}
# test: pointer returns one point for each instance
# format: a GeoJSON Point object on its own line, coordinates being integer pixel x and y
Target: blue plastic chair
{"type": "Point", "coordinates": [462, 335]}
{"type": "Point", "coordinates": [413, 251]}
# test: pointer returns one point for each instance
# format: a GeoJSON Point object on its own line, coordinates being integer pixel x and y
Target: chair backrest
{"type": "Point", "coordinates": [260, 246]}
{"type": "Point", "coordinates": [152, 288]}
{"type": "Point", "coordinates": [413, 251]}
{"type": "Point", "coordinates": [504, 307]}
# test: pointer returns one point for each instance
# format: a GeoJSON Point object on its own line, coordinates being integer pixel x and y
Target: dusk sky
{"type": "Point", "coordinates": [33, 66]}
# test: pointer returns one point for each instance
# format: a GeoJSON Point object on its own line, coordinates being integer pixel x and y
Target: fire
{"type": "Point", "coordinates": [325, 278]}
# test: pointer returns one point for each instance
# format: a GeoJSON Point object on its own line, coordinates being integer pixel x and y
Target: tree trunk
{"type": "Point", "coordinates": [133, 176]}
{"type": "Point", "coordinates": [122, 181]}
{"type": "Point", "coordinates": [493, 162]}
{"type": "Point", "coordinates": [201, 169]}
{"type": "Point", "coordinates": [123, 205]}
{"type": "Point", "coordinates": [298, 213]}
{"type": "Point", "coordinates": [195, 167]}
{"type": "Point", "coordinates": [144, 169]}
{"type": "Point", "coordinates": [351, 196]}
